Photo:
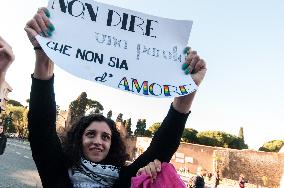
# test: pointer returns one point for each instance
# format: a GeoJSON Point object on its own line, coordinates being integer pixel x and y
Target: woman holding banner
{"type": "Point", "coordinates": [93, 154]}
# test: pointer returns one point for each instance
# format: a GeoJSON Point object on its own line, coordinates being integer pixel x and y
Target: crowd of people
{"type": "Point", "coordinates": [198, 180]}
{"type": "Point", "coordinates": [206, 179]}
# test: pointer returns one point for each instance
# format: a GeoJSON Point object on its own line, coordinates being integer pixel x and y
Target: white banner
{"type": "Point", "coordinates": [120, 48]}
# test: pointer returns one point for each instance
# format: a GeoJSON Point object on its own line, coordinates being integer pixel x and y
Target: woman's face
{"type": "Point", "coordinates": [1, 129]}
{"type": "Point", "coordinates": [96, 141]}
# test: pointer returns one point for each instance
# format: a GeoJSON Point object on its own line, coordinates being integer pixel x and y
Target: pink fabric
{"type": "Point", "coordinates": [167, 178]}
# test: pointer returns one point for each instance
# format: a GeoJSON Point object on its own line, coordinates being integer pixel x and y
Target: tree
{"type": "Point", "coordinates": [241, 133]}
{"type": "Point", "coordinates": [189, 135]}
{"type": "Point", "coordinates": [211, 138]}
{"type": "Point", "coordinates": [109, 114]}
{"type": "Point", "coordinates": [20, 120]}
{"type": "Point", "coordinates": [16, 120]}
{"type": "Point", "coordinates": [220, 139]}
{"type": "Point", "coordinates": [272, 146]}
{"type": "Point", "coordinates": [119, 117]}
{"type": "Point", "coordinates": [14, 103]}
{"type": "Point", "coordinates": [94, 106]}
{"type": "Point", "coordinates": [95, 111]}
{"type": "Point", "coordinates": [235, 142]}
{"type": "Point", "coordinates": [153, 128]}
{"type": "Point", "coordinates": [128, 127]}
{"type": "Point", "coordinates": [8, 121]}
{"type": "Point", "coordinates": [148, 133]}
{"type": "Point", "coordinates": [78, 108]}
{"type": "Point", "coordinates": [140, 127]}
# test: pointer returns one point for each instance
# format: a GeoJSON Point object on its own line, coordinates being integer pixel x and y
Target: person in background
{"type": "Point", "coordinates": [198, 180]}
{"type": "Point", "coordinates": [3, 140]}
{"type": "Point", "coordinates": [209, 176]}
{"type": "Point", "coordinates": [216, 179]}
{"type": "Point", "coordinates": [242, 181]}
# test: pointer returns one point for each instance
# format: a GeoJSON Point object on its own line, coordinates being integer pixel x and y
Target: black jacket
{"type": "Point", "coordinates": [47, 151]}
{"type": "Point", "coordinates": [198, 182]}
{"type": "Point", "coordinates": [3, 140]}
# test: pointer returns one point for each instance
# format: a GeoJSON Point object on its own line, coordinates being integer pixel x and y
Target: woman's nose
{"type": "Point", "coordinates": [97, 140]}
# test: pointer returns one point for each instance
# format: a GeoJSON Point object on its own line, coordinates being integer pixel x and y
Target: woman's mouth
{"type": "Point", "coordinates": [96, 149]}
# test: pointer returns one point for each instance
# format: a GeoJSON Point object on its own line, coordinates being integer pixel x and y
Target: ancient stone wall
{"type": "Point", "coordinates": [259, 168]}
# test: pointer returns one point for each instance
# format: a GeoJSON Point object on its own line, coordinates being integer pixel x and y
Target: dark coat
{"type": "Point", "coordinates": [3, 140]}
{"type": "Point", "coordinates": [198, 182]}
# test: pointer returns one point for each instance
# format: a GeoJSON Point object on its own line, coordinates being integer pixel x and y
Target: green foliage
{"type": "Point", "coordinates": [128, 126]}
{"type": "Point", "coordinates": [220, 139]}
{"type": "Point", "coordinates": [94, 106]}
{"type": "Point", "coordinates": [189, 135]}
{"type": "Point", "coordinates": [235, 142]}
{"type": "Point", "coordinates": [8, 122]}
{"type": "Point", "coordinates": [14, 103]}
{"type": "Point", "coordinates": [153, 128]}
{"type": "Point", "coordinates": [96, 111]}
{"type": "Point", "coordinates": [78, 107]}
{"type": "Point", "coordinates": [109, 114]}
{"type": "Point", "coordinates": [16, 120]}
{"type": "Point", "coordinates": [148, 133]}
{"type": "Point", "coordinates": [119, 117]}
{"type": "Point", "coordinates": [140, 127]}
{"type": "Point", "coordinates": [272, 146]}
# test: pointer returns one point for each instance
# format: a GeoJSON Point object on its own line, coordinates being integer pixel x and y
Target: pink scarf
{"type": "Point", "coordinates": [167, 178]}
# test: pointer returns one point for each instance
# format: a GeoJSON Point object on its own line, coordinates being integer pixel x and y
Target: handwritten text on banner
{"type": "Point", "coordinates": [121, 48]}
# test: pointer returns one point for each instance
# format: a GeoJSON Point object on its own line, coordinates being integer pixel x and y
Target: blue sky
{"type": "Point", "coordinates": [241, 41]}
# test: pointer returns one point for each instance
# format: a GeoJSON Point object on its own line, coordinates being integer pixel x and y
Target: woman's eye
{"type": "Point", "coordinates": [106, 137]}
{"type": "Point", "coordinates": [90, 134]}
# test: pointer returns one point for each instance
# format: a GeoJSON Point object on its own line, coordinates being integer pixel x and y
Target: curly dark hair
{"type": "Point", "coordinates": [72, 142]}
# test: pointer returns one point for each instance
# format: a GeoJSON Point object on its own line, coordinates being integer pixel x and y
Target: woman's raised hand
{"type": "Point", "coordinates": [40, 25]}
{"type": "Point", "coordinates": [196, 68]}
